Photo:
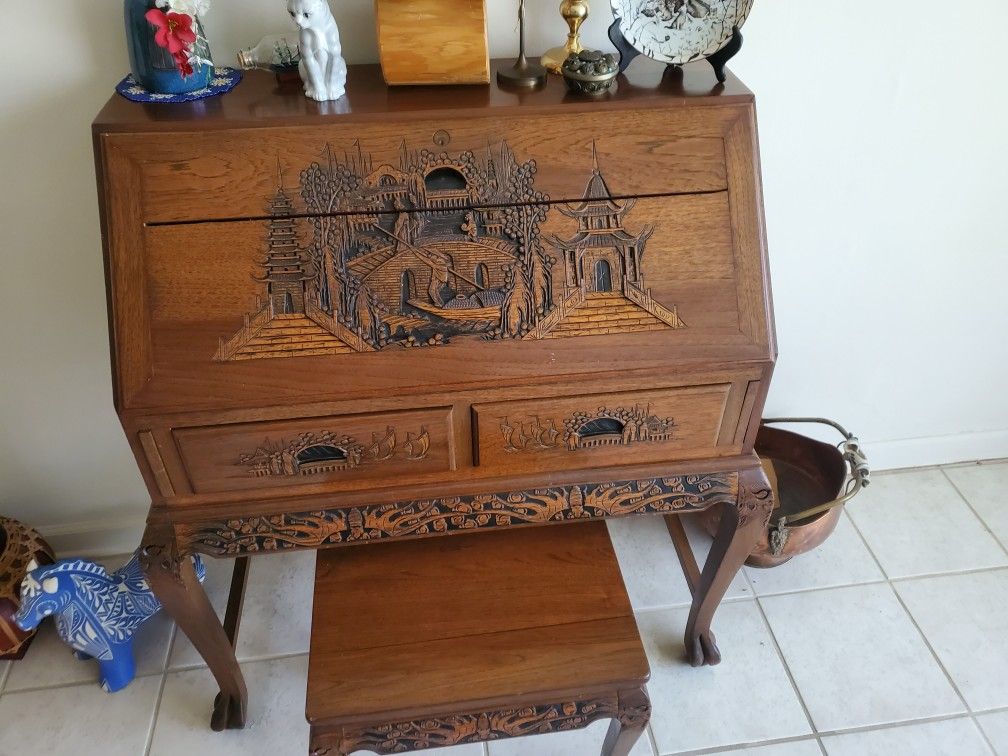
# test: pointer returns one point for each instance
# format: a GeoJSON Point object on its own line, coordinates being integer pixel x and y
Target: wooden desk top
{"type": "Point", "coordinates": [408, 632]}
{"type": "Point", "coordinates": [259, 101]}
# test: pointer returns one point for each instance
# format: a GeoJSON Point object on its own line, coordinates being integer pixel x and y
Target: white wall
{"type": "Point", "coordinates": [884, 157]}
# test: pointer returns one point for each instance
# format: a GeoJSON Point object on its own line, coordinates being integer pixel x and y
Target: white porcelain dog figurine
{"type": "Point", "coordinates": [322, 67]}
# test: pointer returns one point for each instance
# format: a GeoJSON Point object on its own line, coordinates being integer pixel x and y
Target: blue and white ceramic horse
{"type": "Point", "coordinates": [96, 613]}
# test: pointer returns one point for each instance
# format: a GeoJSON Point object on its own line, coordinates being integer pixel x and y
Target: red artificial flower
{"type": "Point", "coordinates": [174, 30]}
{"type": "Point", "coordinates": [182, 63]}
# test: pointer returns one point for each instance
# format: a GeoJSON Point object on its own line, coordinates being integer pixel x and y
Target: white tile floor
{"type": "Point", "coordinates": [891, 639]}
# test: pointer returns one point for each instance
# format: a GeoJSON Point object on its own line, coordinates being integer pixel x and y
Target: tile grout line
{"type": "Point", "coordinates": [953, 573]}
{"type": "Point", "coordinates": [822, 746]}
{"type": "Point", "coordinates": [975, 513]}
{"type": "Point", "coordinates": [787, 667]}
{"type": "Point", "coordinates": [930, 648]}
{"type": "Point", "coordinates": [649, 734]}
{"type": "Point", "coordinates": [994, 710]}
{"type": "Point", "coordinates": [249, 660]}
{"type": "Point", "coordinates": [894, 725]}
{"type": "Point", "coordinates": [157, 713]}
{"type": "Point", "coordinates": [798, 591]}
{"type": "Point", "coordinates": [3, 677]}
{"type": "Point", "coordinates": [824, 734]}
{"type": "Point", "coordinates": [736, 747]}
{"type": "Point", "coordinates": [669, 607]}
{"type": "Point", "coordinates": [72, 684]}
{"type": "Point", "coordinates": [80, 683]}
{"type": "Point", "coordinates": [864, 542]}
{"type": "Point", "coordinates": [983, 735]}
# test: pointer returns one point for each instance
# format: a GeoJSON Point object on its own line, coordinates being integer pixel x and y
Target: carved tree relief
{"type": "Point", "coordinates": [438, 248]}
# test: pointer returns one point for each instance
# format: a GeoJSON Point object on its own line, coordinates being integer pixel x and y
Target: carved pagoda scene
{"type": "Point", "coordinates": [326, 452]}
{"type": "Point", "coordinates": [604, 279]}
{"type": "Point", "coordinates": [440, 247]}
{"type": "Point", "coordinates": [622, 426]}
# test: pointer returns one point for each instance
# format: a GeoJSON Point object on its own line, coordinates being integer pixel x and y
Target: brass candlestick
{"type": "Point", "coordinates": [574, 12]}
{"type": "Point", "coordinates": [522, 73]}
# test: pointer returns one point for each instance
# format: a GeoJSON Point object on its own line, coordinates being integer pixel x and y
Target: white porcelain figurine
{"type": "Point", "coordinates": [322, 67]}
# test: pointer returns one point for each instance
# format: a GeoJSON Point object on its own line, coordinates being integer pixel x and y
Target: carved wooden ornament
{"type": "Point", "coordinates": [315, 529]}
{"type": "Point", "coordinates": [439, 247]}
{"type": "Point", "coordinates": [326, 451]}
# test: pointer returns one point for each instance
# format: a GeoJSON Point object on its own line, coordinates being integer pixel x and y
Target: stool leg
{"type": "Point", "coordinates": [632, 718]}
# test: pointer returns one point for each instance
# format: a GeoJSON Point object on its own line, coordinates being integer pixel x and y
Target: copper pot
{"type": "Point", "coordinates": [811, 481]}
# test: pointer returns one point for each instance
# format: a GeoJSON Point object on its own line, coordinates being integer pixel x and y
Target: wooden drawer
{"type": "Point", "coordinates": [598, 430]}
{"type": "Point", "coordinates": [340, 451]}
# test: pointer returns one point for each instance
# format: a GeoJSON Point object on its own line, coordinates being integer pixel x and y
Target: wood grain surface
{"type": "Point", "coordinates": [187, 212]}
{"type": "Point", "coordinates": [435, 655]}
{"type": "Point", "coordinates": [433, 41]}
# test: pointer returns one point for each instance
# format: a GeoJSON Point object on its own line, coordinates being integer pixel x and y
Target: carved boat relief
{"type": "Point", "coordinates": [325, 452]}
{"type": "Point", "coordinates": [582, 430]}
{"type": "Point", "coordinates": [439, 248]}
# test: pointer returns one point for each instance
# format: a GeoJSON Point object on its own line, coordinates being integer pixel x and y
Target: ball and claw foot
{"type": "Point", "coordinates": [705, 650]}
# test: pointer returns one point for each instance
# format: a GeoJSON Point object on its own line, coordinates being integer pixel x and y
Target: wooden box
{"type": "Point", "coordinates": [433, 41]}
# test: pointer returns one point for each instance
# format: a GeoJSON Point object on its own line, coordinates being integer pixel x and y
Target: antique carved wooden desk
{"type": "Point", "coordinates": [425, 310]}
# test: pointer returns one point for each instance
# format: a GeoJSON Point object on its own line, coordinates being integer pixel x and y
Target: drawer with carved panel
{"type": "Point", "coordinates": [335, 452]}
{"type": "Point", "coordinates": [600, 430]}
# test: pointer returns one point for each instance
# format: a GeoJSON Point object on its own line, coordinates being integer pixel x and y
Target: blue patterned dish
{"type": "Point", "coordinates": [223, 80]}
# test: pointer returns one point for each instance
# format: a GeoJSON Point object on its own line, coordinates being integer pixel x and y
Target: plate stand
{"type": "Point", "coordinates": [718, 60]}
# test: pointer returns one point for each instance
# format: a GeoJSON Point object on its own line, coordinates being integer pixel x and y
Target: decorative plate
{"type": "Point", "coordinates": [678, 31]}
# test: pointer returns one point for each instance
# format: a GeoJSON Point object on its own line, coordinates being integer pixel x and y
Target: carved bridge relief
{"type": "Point", "coordinates": [324, 451]}
{"type": "Point", "coordinates": [582, 430]}
{"type": "Point", "coordinates": [440, 247]}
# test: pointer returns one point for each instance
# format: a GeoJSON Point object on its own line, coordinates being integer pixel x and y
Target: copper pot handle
{"type": "Point", "coordinates": [858, 474]}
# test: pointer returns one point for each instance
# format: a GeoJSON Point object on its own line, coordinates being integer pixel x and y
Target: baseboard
{"type": "Point", "coordinates": [122, 535]}
{"type": "Point", "coordinates": [936, 450]}
{"type": "Point", "coordinates": [95, 538]}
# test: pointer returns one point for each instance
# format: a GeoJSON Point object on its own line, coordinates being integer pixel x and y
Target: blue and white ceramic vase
{"type": "Point", "coordinates": [153, 66]}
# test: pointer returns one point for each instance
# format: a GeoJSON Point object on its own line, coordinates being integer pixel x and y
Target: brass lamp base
{"type": "Point", "coordinates": [574, 12]}
{"type": "Point", "coordinates": [553, 59]}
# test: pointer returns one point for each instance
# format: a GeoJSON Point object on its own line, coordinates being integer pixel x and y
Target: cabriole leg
{"type": "Point", "coordinates": [173, 580]}
{"type": "Point", "coordinates": [742, 524]}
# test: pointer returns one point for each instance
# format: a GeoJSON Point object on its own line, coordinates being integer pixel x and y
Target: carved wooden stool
{"type": "Point", "coordinates": [431, 643]}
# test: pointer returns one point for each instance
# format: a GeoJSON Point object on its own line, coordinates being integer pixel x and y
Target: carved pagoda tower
{"type": "Point", "coordinates": [285, 270]}
{"type": "Point", "coordinates": [602, 256]}
{"type": "Point", "coordinates": [604, 284]}
{"type": "Point", "coordinates": [291, 323]}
